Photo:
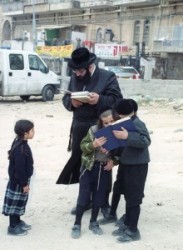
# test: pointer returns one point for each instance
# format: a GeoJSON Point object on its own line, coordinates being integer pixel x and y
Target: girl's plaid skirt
{"type": "Point", "coordinates": [15, 200]}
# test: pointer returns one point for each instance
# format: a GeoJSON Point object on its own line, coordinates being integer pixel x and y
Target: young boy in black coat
{"type": "Point", "coordinates": [132, 172]}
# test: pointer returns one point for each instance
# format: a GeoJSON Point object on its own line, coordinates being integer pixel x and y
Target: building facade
{"type": "Point", "coordinates": [148, 28]}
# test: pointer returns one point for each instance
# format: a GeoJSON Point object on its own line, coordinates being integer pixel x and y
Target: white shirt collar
{"type": "Point", "coordinates": [94, 67]}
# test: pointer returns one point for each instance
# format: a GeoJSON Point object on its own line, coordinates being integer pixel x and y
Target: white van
{"type": "Point", "coordinates": [24, 73]}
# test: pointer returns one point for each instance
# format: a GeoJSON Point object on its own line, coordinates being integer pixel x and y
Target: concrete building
{"type": "Point", "coordinates": [148, 28]}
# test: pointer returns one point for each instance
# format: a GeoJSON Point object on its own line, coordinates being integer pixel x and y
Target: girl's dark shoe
{"type": "Point", "coordinates": [24, 226]}
{"type": "Point", "coordinates": [16, 231]}
{"type": "Point", "coordinates": [128, 236]}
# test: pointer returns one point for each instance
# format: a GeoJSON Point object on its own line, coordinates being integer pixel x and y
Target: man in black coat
{"type": "Point", "coordinates": [104, 92]}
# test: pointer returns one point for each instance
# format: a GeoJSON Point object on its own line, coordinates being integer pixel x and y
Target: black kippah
{"type": "Point", "coordinates": [123, 107]}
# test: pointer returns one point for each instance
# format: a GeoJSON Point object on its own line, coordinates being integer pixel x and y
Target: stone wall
{"type": "Point", "coordinates": [153, 88]}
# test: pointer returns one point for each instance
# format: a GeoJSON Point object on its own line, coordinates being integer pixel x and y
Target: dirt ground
{"type": "Point", "coordinates": [48, 209]}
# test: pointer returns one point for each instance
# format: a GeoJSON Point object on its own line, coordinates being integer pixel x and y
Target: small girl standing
{"type": "Point", "coordinates": [20, 171]}
{"type": "Point", "coordinates": [95, 175]}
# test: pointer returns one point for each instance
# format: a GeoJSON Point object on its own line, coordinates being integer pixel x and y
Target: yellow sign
{"type": "Point", "coordinates": [56, 51]}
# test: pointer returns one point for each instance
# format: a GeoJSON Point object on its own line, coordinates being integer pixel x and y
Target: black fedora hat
{"type": "Point", "coordinates": [81, 58]}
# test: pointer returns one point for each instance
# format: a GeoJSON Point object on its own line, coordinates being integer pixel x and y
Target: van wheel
{"type": "Point", "coordinates": [25, 97]}
{"type": "Point", "coordinates": [48, 93]}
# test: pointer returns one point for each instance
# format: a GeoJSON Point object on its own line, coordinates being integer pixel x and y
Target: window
{"type": "Point", "coordinates": [16, 61]}
{"type": "Point", "coordinates": [42, 67]}
{"type": "Point", "coordinates": [99, 36]}
{"type": "Point", "coordinates": [36, 64]}
{"type": "Point", "coordinates": [33, 63]}
{"type": "Point", "coordinates": [146, 32]}
{"type": "Point", "coordinates": [136, 35]}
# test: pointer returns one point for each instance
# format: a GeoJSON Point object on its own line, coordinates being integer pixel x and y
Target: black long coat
{"type": "Point", "coordinates": [105, 84]}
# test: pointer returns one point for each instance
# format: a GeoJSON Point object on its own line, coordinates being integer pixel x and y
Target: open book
{"type": "Point", "coordinates": [112, 141]}
{"type": "Point", "coordinates": [82, 96]}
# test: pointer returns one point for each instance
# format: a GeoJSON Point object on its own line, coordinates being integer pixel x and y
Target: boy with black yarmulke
{"type": "Point", "coordinates": [132, 172]}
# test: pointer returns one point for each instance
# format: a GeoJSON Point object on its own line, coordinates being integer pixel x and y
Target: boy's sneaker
{"type": "Point", "coordinates": [16, 231]}
{"type": "Point", "coordinates": [120, 230]}
{"type": "Point", "coordinates": [108, 219]}
{"type": "Point", "coordinates": [120, 221]}
{"type": "Point", "coordinates": [24, 226]}
{"type": "Point", "coordinates": [94, 226]}
{"type": "Point", "coordinates": [128, 236]}
{"type": "Point", "coordinates": [76, 231]}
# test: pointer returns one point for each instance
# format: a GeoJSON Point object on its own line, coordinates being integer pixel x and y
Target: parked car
{"type": "Point", "coordinates": [126, 72]}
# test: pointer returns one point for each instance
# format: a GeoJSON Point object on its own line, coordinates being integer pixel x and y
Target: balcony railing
{"type": "Point", "coordinates": [48, 1]}
{"type": "Point", "coordinates": [13, 6]}
{"type": "Point", "coordinates": [25, 6]}
{"type": "Point", "coordinates": [30, 2]}
{"type": "Point", "coordinates": [101, 3]}
{"type": "Point", "coordinates": [136, 2]}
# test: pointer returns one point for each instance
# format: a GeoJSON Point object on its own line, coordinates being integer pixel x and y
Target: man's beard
{"type": "Point", "coordinates": [84, 79]}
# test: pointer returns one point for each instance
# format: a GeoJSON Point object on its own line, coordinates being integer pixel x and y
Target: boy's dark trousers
{"type": "Point", "coordinates": [130, 182]}
{"type": "Point", "coordinates": [94, 182]}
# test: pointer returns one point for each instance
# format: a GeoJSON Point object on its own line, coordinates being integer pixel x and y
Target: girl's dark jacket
{"type": "Point", "coordinates": [105, 84]}
{"type": "Point", "coordinates": [20, 163]}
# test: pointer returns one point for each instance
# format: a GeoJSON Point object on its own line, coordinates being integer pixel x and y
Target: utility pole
{"type": "Point", "coordinates": [34, 26]}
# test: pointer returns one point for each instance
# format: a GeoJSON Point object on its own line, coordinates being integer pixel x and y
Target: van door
{"type": "Point", "coordinates": [16, 79]}
{"type": "Point", "coordinates": [37, 75]}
